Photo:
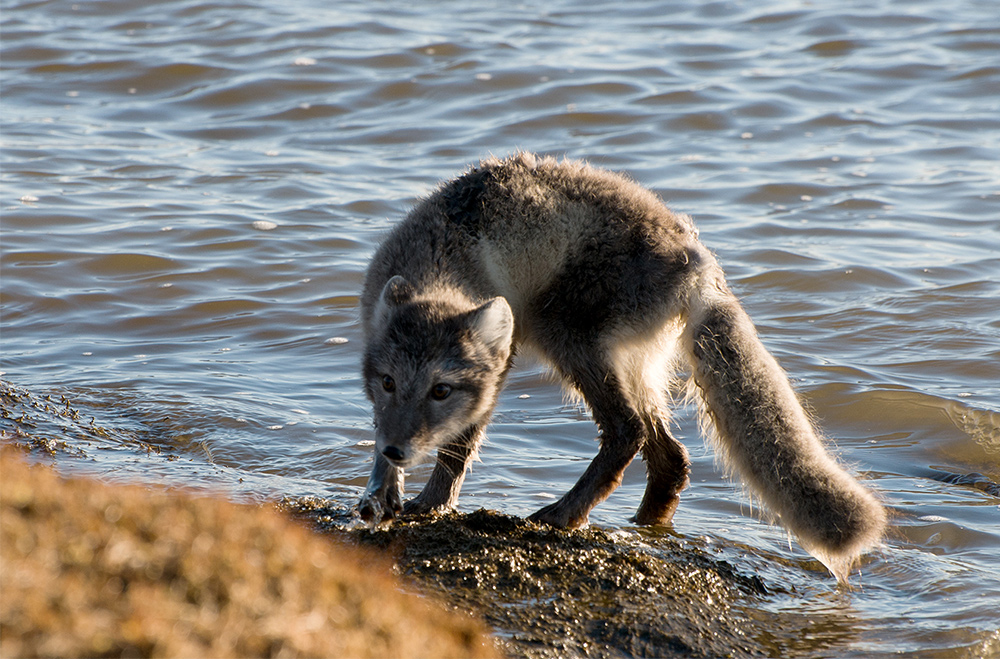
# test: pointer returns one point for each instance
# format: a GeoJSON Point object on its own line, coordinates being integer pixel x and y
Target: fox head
{"type": "Point", "coordinates": [433, 367]}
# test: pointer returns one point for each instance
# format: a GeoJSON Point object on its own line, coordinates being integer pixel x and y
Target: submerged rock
{"type": "Point", "coordinates": [57, 426]}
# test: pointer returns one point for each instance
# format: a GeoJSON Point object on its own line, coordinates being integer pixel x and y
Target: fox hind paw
{"type": "Point", "coordinates": [557, 515]}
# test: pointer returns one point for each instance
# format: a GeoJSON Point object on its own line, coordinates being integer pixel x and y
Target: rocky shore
{"type": "Point", "coordinates": [92, 570]}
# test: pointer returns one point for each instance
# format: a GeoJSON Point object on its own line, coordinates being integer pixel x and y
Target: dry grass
{"type": "Point", "coordinates": [104, 571]}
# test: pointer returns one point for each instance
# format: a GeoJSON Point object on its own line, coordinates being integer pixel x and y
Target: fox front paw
{"type": "Point", "coordinates": [378, 507]}
{"type": "Point", "coordinates": [559, 515]}
{"type": "Point", "coordinates": [420, 505]}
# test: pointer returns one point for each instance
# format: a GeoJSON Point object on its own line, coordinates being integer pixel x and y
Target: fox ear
{"type": "Point", "coordinates": [395, 292]}
{"type": "Point", "coordinates": [494, 322]}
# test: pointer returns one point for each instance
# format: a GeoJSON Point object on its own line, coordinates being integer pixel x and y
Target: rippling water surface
{"type": "Point", "coordinates": [191, 190]}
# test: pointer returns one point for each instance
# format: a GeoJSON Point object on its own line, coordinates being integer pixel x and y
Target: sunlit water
{"type": "Point", "coordinates": [190, 192]}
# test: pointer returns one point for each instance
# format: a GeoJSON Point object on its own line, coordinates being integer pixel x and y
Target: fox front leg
{"type": "Point", "coordinates": [383, 497]}
{"type": "Point", "coordinates": [453, 460]}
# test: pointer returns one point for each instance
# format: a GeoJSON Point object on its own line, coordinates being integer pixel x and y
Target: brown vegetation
{"type": "Point", "coordinates": [96, 570]}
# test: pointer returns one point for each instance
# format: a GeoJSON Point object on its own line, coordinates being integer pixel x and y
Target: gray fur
{"type": "Point", "coordinates": [611, 288]}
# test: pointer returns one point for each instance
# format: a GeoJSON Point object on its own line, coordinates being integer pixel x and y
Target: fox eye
{"type": "Point", "coordinates": [440, 391]}
{"type": "Point", "coordinates": [388, 383]}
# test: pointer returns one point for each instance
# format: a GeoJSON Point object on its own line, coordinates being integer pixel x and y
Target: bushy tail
{"type": "Point", "coordinates": [764, 435]}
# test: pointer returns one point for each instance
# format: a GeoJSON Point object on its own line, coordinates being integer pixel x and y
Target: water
{"type": "Point", "coordinates": [190, 193]}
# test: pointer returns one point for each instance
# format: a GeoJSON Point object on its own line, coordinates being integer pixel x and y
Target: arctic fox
{"type": "Point", "coordinates": [594, 273]}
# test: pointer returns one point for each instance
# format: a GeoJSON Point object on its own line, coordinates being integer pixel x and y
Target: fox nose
{"type": "Point", "coordinates": [392, 453]}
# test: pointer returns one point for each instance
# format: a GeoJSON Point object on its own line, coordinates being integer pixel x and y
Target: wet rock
{"type": "Point", "coordinates": [974, 480]}
{"type": "Point", "coordinates": [554, 593]}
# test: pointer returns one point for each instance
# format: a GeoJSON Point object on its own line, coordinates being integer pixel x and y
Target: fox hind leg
{"type": "Point", "coordinates": [647, 365]}
{"type": "Point", "coordinates": [667, 472]}
{"type": "Point", "coordinates": [623, 434]}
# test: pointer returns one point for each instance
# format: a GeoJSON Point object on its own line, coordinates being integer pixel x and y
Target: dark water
{"type": "Point", "coordinates": [190, 192]}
